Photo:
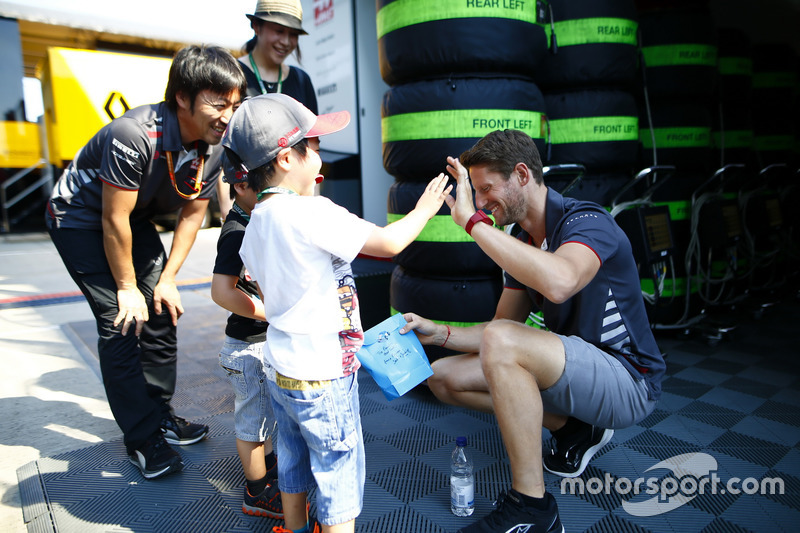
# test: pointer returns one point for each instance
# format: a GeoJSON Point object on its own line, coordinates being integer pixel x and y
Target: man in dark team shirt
{"type": "Point", "coordinates": [595, 367]}
{"type": "Point", "coordinates": [155, 159]}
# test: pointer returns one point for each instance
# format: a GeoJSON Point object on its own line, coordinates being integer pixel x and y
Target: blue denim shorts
{"type": "Point", "coordinates": [252, 412]}
{"type": "Point", "coordinates": [596, 388]}
{"type": "Point", "coordinates": [321, 443]}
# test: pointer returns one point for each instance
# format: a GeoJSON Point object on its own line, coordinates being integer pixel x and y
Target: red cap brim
{"type": "Point", "coordinates": [329, 123]}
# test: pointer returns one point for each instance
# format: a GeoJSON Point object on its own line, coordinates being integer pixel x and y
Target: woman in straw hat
{"type": "Point", "coordinates": [277, 25]}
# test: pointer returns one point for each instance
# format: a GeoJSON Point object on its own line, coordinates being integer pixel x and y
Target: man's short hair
{"type": "Point", "coordinates": [199, 68]}
{"type": "Point", "coordinates": [501, 150]}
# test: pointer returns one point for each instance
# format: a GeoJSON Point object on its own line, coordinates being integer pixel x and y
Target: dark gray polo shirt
{"type": "Point", "coordinates": [128, 153]}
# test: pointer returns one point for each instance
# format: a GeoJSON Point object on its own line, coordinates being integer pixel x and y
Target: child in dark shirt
{"type": "Point", "coordinates": [241, 356]}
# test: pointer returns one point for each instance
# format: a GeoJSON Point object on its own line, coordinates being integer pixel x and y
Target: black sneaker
{"type": "Point", "coordinates": [569, 455]}
{"type": "Point", "coordinates": [268, 503]}
{"type": "Point", "coordinates": [511, 515]}
{"type": "Point", "coordinates": [178, 431]}
{"type": "Point", "coordinates": [155, 458]}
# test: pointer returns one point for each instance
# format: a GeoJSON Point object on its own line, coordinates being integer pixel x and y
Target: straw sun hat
{"type": "Point", "coordinates": [287, 13]}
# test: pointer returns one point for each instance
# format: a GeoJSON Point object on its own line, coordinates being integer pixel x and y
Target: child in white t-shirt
{"type": "Point", "coordinates": [298, 248]}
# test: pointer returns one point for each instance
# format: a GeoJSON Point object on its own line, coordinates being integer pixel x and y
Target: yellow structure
{"type": "Point", "coordinates": [19, 144]}
{"type": "Point", "coordinates": [83, 90]}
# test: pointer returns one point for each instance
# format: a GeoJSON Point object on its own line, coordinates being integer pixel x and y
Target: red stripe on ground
{"type": "Point", "coordinates": [57, 295]}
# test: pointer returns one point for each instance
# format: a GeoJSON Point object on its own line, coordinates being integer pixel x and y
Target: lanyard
{"type": "Point", "coordinates": [241, 211]}
{"type": "Point", "coordinates": [258, 75]}
{"type": "Point", "coordinates": [275, 190]}
{"type": "Point", "coordinates": [198, 177]}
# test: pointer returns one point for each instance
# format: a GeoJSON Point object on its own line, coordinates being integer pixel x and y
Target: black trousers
{"type": "Point", "coordinates": [139, 373]}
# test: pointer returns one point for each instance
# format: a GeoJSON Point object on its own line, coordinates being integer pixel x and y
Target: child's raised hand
{"type": "Point", "coordinates": [435, 193]}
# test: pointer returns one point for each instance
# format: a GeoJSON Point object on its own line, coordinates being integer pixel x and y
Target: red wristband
{"type": "Point", "coordinates": [446, 338]}
{"type": "Point", "coordinates": [479, 216]}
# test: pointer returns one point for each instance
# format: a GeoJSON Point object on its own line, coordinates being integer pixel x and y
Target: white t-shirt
{"type": "Point", "coordinates": [299, 249]}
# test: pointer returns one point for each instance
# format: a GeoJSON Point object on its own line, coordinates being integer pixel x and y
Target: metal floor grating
{"type": "Point", "coordinates": [738, 402]}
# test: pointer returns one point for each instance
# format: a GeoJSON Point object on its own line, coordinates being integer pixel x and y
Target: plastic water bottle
{"type": "Point", "coordinates": [462, 480]}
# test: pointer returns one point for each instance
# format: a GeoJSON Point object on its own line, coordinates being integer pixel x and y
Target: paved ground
{"type": "Point", "coordinates": [51, 398]}
{"type": "Point", "coordinates": [736, 402]}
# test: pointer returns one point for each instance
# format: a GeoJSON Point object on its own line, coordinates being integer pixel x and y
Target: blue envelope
{"type": "Point", "coordinates": [396, 362]}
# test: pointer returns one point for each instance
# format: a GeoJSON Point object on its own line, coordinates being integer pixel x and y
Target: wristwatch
{"type": "Point", "coordinates": [479, 216]}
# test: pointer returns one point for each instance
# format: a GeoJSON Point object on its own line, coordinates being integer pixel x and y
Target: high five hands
{"type": "Point", "coordinates": [462, 206]}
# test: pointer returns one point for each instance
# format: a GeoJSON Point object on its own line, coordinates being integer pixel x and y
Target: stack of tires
{"type": "Point", "coordinates": [775, 81]}
{"type": "Point", "coordinates": [732, 133]}
{"type": "Point", "coordinates": [452, 81]}
{"type": "Point", "coordinates": [680, 78]}
{"type": "Point", "coordinates": [679, 67]}
{"type": "Point", "coordinates": [769, 202]}
{"type": "Point", "coordinates": [732, 140]}
{"type": "Point", "coordinates": [588, 79]}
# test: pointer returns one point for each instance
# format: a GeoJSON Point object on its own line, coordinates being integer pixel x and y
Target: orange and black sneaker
{"type": "Point", "coordinates": [312, 527]}
{"type": "Point", "coordinates": [268, 503]}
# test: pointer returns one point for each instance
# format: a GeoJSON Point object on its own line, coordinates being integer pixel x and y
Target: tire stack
{"type": "Point", "coordinates": [732, 144]}
{"type": "Point", "coordinates": [457, 71]}
{"type": "Point", "coordinates": [679, 72]}
{"type": "Point", "coordinates": [588, 78]}
{"type": "Point", "coordinates": [679, 67]}
{"type": "Point", "coordinates": [732, 134]}
{"type": "Point", "coordinates": [775, 80]}
{"type": "Point", "coordinates": [765, 209]}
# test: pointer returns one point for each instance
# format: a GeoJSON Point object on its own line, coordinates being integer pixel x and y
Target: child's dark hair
{"type": "Point", "coordinates": [259, 178]}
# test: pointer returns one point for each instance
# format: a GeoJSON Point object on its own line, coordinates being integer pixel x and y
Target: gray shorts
{"type": "Point", "coordinates": [596, 388]}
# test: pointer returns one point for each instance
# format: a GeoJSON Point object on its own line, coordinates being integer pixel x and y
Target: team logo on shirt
{"type": "Point", "coordinates": [130, 152]}
{"type": "Point", "coordinates": [582, 215]}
